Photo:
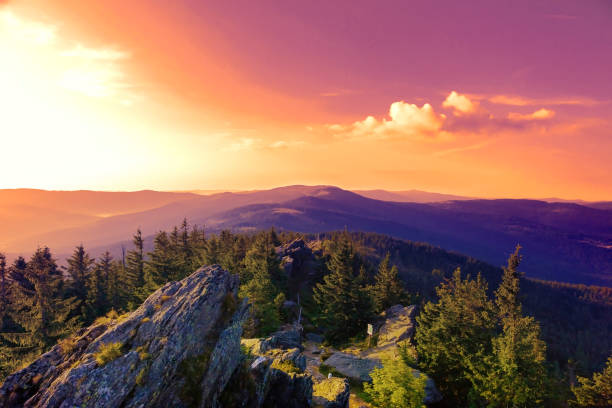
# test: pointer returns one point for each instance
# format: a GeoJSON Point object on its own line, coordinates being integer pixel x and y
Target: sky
{"type": "Point", "coordinates": [480, 98]}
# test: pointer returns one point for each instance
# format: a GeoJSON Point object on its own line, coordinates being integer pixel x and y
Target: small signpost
{"type": "Point", "coordinates": [370, 333]}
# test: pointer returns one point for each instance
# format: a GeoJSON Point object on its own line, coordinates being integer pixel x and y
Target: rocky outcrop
{"type": "Point", "coordinates": [398, 325]}
{"type": "Point", "coordinates": [179, 349]}
{"type": "Point", "coordinates": [296, 257]}
{"type": "Point", "coordinates": [276, 372]}
{"type": "Point", "coordinates": [331, 393]}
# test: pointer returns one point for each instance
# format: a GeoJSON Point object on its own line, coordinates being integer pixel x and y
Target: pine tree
{"type": "Point", "coordinates": [507, 294]}
{"type": "Point", "coordinates": [43, 311]}
{"type": "Point", "coordinates": [388, 289]}
{"type": "Point", "coordinates": [596, 391]}
{"type": "Point", "coordinates": [339, 296]}
{"type": "Point", "coordinates": [262, 282]}
{"type": "Point", "coordinates": [454, 336]}
{"type": "Point", "coordinates": [134, 272]}
{"type": "Point", "coordinates": [516, 374]}
{"type": "Point", "coordinates": [79, 269]}
{"type": "Point", "coordinates": [98, 299]}
{"type": "Point", "coordinates": [162, 265]}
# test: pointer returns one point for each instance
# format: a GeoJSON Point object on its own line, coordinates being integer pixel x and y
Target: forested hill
{"type": "Point", "coordinates": [561, 241]}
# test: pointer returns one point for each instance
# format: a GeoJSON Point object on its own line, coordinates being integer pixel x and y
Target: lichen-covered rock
{"type": "Point", "coordinates": [331, 393]}
{"type": "Point", "coordinates": [398, 325]}
{"type": "Point", "coordinates": [186, 327]}
{"type": "Point", "coordinates": [282, 339]}
{"type": "Point", "coordinates": [276, 373]}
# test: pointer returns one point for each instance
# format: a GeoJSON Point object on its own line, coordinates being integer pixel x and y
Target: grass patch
{"type": "Point", "coordinates": [108, 352]}
{"type": "Point", "coordinates": [286, 365]}
{"type": "Point", "coordinates": [164, 299]}
{"type": "Point", "coordinates": [145, 320]}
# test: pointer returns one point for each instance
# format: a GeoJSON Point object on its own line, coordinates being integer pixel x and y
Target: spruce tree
{"type": "Point", "coordinates": [134, 272]}
{"type": "Point", "coordinates": [79, 268]}
{"type": "Point", "coordinates": [388, 289]}
{"type": "Point", "coordinates": [43, 311]}
{"type": "Point", "coordinates": [516, 373]}
{"type": "Point", "coordinates": [162, 264]}
{"type": "Point", "coordinates": [454, 336]}
{"type": "Point", "coordinates": [98, 299]}
{"type": "Point", "coordinates": [339, 296]}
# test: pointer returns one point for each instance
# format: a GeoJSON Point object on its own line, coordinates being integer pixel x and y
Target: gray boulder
{"type": "Point", "coordinates": [144, 359]}
{"type": "Point", "coordinates": [359, 368]}
{"type": "Point", "coordinates": [353, 366]}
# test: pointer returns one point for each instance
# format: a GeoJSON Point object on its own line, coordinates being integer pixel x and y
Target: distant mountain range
{"type": "Point", "coordinates": [562, 241]}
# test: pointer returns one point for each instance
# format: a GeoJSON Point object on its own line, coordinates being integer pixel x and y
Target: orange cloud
{"type": "Point", "coordinates": [514, 100]}
{"type": "Point", "coordinates": [540, 114]}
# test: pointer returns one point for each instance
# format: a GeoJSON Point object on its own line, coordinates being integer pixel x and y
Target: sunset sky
{"type": "Point", "coordinates": [480, 98]}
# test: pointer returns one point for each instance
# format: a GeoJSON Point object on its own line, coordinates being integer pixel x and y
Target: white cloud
{"type": "Point", "coordinates": [460, 103]}
{"type": "Point", "coordinates": [405, 120]}
{"type": "Point", "coordinates": [33, 32]}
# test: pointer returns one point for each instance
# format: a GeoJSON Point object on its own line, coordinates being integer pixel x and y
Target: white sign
{"type": "Point", "coordinates": [370, 329]}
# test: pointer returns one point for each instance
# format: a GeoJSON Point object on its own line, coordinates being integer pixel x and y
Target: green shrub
{"type": "Point", "coordinates": [108, 352]}
{"type": "Point", "coordinates": [395, 385]}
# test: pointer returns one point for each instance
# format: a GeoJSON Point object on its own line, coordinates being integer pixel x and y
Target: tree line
{"type": "Point", "coordinates": [477, 344]}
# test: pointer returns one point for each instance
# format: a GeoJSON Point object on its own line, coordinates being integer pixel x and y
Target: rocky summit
{"type": "Point", "coordinates": [179, 349]}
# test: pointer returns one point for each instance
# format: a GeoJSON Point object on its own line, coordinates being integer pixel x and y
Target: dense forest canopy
{"type": "Point", "coordinates": [565, 329]}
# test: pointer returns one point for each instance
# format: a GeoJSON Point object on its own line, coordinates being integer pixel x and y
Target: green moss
{"type": "Point", "coordinates": [108, 352]}
{"type": "Point", "coordinates": [329, 388]}
{"type": "Point", "coordinates": [286, 365]}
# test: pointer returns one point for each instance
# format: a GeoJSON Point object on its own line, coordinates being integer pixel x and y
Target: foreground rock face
{"type": "Point", "coordinates": [179, 348]}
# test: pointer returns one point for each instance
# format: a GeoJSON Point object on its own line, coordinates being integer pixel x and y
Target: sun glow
{"type": "Point", "coordinates": [71, 112]}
